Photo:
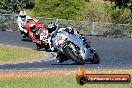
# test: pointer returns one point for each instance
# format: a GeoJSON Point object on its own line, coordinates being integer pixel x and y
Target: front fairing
{"type": "Point", "coordinates": [76, 40]}
{"type": "Point", "coordinates": [84, 52]}
{"type": "Point", "coordinates": [57, 35]}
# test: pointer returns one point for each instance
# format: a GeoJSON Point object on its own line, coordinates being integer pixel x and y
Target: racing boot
{"type": "Point", "coordinates": [61, 58]}
{"type": "Point", "coordinates": [51, 48]}
{"type": "Point", "coordinates": [23, 34]}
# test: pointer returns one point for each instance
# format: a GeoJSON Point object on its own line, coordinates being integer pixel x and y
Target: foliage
{"type": "Point", "coordinates": [29, 4]}
{"type": "Point", "coordinates": [65, 9]}
{"type": "Point", "coordinates": [104, 12]}
{"type": "Point", "coordinates": [120, 3]}
{"type": "Point", "coordinates": [94, 11]}
{"type": "Point", "coordinates": [9, 6]}
{"type": "Point", "coordinates": [52, 82]}
{"type": "Point", "coordinates": [120, 16]}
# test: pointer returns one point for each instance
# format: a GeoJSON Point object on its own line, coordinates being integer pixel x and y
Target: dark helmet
{"type": "Point", "coordinates": [52, 27]}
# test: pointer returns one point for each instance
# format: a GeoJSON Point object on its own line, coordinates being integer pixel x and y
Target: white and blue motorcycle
{"type": "Point", "coordinates": [73, 47]}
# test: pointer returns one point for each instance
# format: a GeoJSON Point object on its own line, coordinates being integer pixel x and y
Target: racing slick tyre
{"type": "Point", "coordinates": [72, 56]}
{"type": "Point", "coordinates": [38, 46]}
{"type": "Point", "coordinates": [95, 59]}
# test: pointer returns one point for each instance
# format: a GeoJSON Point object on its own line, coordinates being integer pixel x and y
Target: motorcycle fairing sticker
{"type": "Point", "coordinates": [60, 39]}
{"type": "Point", "coordinates": [44, 35]}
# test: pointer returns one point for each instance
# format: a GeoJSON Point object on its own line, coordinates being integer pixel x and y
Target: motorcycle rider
{"type": "Point", "coordinates": [22, 21]}
{"type": "Point", "coordinates": [25, 26]}
{"type": "Point", "coordinates": [54, 29]}
{"type": "Point", "coordinates": [33, 25]}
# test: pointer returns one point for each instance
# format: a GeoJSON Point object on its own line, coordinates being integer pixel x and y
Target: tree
{"type": "Point", "coordinates": [120, 3]}
{"type": "Point", "coordinates": [120, 16]}
{"type": "Point", "coordinates": [9, 6]}
{"type": "Point", "coordinates": [94, 11]}
{"type": "Point", "coordinates": [29, 4]}
{"type": "Point", "coordinates": [66, 9]}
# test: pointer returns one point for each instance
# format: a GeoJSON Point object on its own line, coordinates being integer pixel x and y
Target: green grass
{"type": "Point", "coordinates": [54, 82]}
{"type": "Point", "coordinates": [11, 53]}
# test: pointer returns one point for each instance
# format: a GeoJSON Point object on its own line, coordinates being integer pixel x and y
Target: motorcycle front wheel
{"type": "Point", "coordinates": [40, 46]}
{"type": "Point", "coordinates": [72, 56]}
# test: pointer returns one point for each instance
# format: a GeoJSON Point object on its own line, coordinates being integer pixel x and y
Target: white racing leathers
{"type": "Point", "coordinates": [51, 37]}
{"type": "Point", "coordinates": [22, 22]}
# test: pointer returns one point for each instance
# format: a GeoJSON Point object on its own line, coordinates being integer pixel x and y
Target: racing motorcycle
{"type": "Point", "coordinates": [34, 29]}
{"type": "Point", "coordinates": [74, 47]}
{"type": "Point", "coordinates": [42, 34]}
{"type": "Point", "coordinates": [25, 35]}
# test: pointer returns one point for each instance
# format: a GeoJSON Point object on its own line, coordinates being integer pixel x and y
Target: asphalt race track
{"type": "Point", "coordinates": [114, 53]}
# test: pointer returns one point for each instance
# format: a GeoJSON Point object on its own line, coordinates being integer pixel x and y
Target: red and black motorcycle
{"type": "Point", "coordinates": [42, 35]}
{"type": "Point", "coordinates": [32, 27]}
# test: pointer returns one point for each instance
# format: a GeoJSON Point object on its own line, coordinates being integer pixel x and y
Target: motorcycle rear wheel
{"type": "Point", "coordinates": [38, 46]}
{"type": "Point", "coordinates": [72, 56]}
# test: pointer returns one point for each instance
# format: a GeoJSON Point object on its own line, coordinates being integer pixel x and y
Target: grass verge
{"type": "Point", "coordinates": [53, 79]}
{"type": "Point", "coordinates": [12, 53]}
{"type": "Point", "coordinates": [54, 82]}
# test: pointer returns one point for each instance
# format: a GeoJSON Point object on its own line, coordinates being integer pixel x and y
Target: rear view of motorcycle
{"type": "Point", "coordinates": [42, 35]}
{"type": "Point", "coordinates": [74, 47]}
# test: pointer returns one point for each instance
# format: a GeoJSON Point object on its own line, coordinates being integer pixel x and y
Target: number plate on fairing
{"type": "Point", "coordinates": [60, 39]}
{"type": "Point", "coordinates": [44, 35]}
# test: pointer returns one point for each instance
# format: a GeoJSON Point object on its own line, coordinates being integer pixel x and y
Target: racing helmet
{"type": "Point", "coordinates": [52, 27]}
{"type": "Point", "coordinates": [22, 14]}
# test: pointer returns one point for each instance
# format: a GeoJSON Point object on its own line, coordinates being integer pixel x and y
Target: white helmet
{"type": "Point", "coordinates": [22, 14]}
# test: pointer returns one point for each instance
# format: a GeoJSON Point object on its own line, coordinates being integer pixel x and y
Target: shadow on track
{"type": "Point", "coordinates": [69, 64]}
{"type": "Point", "coordinates": [26, 40]}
